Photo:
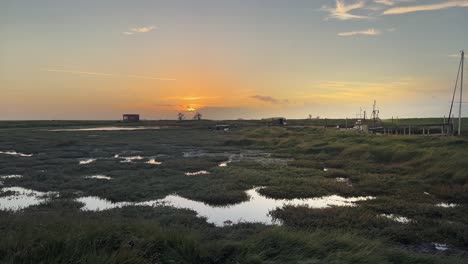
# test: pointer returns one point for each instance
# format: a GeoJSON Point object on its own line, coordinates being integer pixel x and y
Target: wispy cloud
{"type": "Point", "coordinates": [139, 30]}
{"type": "Point", "coordinates": [143, 29]}
{"type": "Point", "coordinates": [428, 7]}
{"type": "Point", "coordinates": [268, 99]}
{"type": "Point", "coordinates": [385, 2]}
{"type": "Point", "coordinates": [108, 74]}
{"type": "Point", "coordinates": [190, 98]}
{"type": "Point", "coordinates": [341, 11]}
{"type": "Point", "coordinates": [368, 32]}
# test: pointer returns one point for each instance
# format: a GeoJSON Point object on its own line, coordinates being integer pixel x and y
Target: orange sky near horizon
{"type": "Point", "coordinates": [226, 59]}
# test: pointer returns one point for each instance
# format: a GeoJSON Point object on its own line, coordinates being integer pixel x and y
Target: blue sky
{"type": "Point", "coordinates": [228, 59]}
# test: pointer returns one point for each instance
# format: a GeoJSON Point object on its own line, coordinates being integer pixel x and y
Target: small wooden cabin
{"type": "Point", "coordinates": [131, 118]}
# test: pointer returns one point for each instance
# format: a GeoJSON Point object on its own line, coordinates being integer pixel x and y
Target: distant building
{"type": "Point", "coordinates": [131, 118]}
{"type": "Point", "coordinates": [275, 121]}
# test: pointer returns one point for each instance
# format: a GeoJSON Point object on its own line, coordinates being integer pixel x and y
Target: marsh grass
{"type": "Point", "coordinates": [408, 175]}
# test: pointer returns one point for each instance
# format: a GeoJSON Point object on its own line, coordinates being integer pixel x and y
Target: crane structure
{"type": "Point", "coordinates": [375, 113]}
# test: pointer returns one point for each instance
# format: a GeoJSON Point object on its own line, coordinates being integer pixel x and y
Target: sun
{"type": "Point", "coordinates": [191, 108]}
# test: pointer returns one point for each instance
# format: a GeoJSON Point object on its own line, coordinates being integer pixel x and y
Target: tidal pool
{"type": "Point", "coordinates": [223, 164]}
{"type": "Point", "coordinates": [22, 198]}
{"type": "Point", "coordinates": [130, 159]}
{"type": "Point", "coordinates": [93, 203]}
{"type": "Point", "coordinates": [255, 210]}
{"type": "Point", "coordinates": [153, 162]}
{"type": "Point", "coordinates": [110, 128]}
{"type": "Point", "coordinates": [250, 155]}
{"type": "Point", "coordinates": [440, 246]}
{"type": "Point", "coordinates": [99, 177]}
{"type": "Point", "coordinates": [203, 172]}
{"type": "Point", "coordinates": [446, 205]}
{"type": "Point", "coordinates": [14, 153]}
{"type": "Point", "coordinates": [14, 176]}
{"type": "Point", "coordinates": [397, 218]}
{"type": "Point", "coordinates": [86, 161]}
{"type": "Point", "coordinates": [347, 181]}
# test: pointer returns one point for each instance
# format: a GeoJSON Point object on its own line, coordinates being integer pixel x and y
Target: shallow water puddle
{"type": "Point", "coordinates": [344, 180]}
{"type": "Point", "coordinates": [397, 218]}
{"type": "Point", "coordinates": [93, 203]}
{"type": "Point", "coordinates": [86, 161]}
{"type": "Point", "coordinates": [114, 128]}
{"type": "Point", "coordinates": [440, 246]}
{"type": "Point", "coordinates": [203, 172]}
{"type": "Point", "coordinates": [153, 162]}
{"type": "Point", "coordinates": [14, 153]}
{"type": "Point", "coordinates": [446, 205]}
{"type": "Point", "coordinates": [254, 156]}
{"type": "Point", "coordinates": [226, 163]}
{"type": "Point", "coordinates": [22, 198]}
{"type": "Point", "coordinates": [255, 210]}
{"type": "Point", "coordinates": [99, 177]}
{"type": "Point", "coordinates": [14, 176]}
{"type": "Point", "coordinates": [130, 159]}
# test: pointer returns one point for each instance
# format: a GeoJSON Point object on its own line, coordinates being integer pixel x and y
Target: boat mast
{"type": "Point", "coordinates": [461, 94]}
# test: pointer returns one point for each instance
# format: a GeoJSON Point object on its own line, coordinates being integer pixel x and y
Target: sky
{"type": "Point", "coordinates": [229, 59]}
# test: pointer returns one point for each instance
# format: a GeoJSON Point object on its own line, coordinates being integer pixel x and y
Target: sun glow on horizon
{"type": "Point", "coordinates": [191, 108]}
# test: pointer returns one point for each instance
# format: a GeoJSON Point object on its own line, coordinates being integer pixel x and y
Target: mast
{"type": "Point", "coordinates": [461, 93]}
{"type": "Point", "coordinates": [451, 116]}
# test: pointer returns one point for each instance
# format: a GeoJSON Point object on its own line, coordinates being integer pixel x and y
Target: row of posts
{"type": "Point", "coordinates": [407, 131]}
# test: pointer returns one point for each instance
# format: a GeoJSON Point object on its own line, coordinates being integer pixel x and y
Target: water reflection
{"type": "Point", "coordinates": [14, 153]}
{"type": "Point", "coordinates": [153, 162]}
{"type": "Point", "coordinates": [21, 198]}
{"type": "Point", "coordinates": [248, 155]}
{"type": "Point", "coordinates": [397, 218]}
{"type": "Point", "coordinates": [255, 210]}
{"type": "Point", "coordinates": [86, 161]}
{"type": "Point", "coordinates": [93, 203]}
{"type": "Point", "coordinates": [14, 176]}
{"type": "Point", "coordinates": [440, 246]}
{"type": "Point", "coordinates": [344, 180]}
{"type": "Point", "coordinates": [203, 172]}
{"type": "Point", "coordinates": [99, 177]}
{"type": "Point", "coordinates": [110, 128]}
{"type": "Point", "coordinates": [130, 159]}
{"type": "Point", "coordinates": [446, 205]}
